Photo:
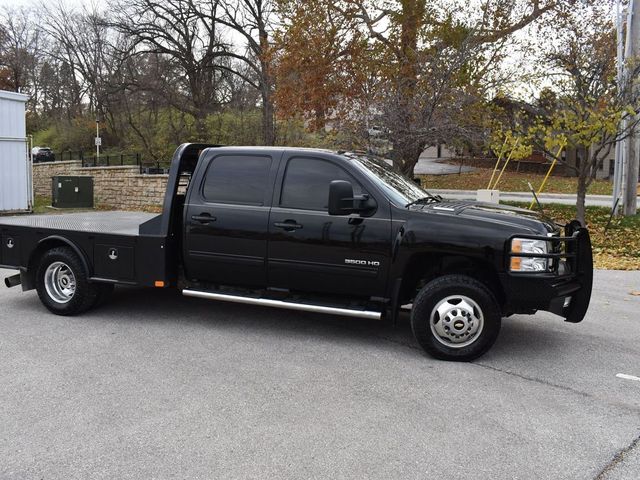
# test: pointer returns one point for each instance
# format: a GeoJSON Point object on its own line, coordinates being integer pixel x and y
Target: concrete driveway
{"type": "Point", "coordinates": [437, 166]}
{"type": "Point", "coordinates": [154, 385]}
{"type": "Point", "coordinates": [561, 198]}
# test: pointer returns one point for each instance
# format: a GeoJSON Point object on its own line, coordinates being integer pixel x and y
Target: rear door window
{"type": "Point", "coordinates": [237, 179]}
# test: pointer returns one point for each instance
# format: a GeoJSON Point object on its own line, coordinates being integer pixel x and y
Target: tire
{"type": "Point", "coordinates": [62, 283]}
{"type": "Point", "coordinates": [455, 317]}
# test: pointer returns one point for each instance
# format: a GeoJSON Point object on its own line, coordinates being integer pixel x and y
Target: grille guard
{"type": "Point", "coordinates": [577, 252]}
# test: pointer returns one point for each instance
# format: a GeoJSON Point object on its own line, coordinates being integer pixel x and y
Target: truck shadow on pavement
{"type": "Point", "coordinates": [133, 308]}
{"type": "Point", "coordinates": [523, 336]}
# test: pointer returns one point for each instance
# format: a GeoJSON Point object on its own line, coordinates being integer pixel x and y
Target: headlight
{"type": "Point", "coordinates": [529, 264]}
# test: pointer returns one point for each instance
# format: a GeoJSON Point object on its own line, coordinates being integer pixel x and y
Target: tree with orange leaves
{"type": "Point", "coordinates": [427, 59]}
{"type": "Point", "coordinates": [321, 58]}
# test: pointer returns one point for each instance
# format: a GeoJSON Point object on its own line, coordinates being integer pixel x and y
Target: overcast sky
{"type": "Point", "coordinates": [14, 3]}
{"type": "Point", "coordinates": [514, 59]}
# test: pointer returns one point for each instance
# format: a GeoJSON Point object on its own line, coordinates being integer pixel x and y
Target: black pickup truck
{"type": "Point", "coordinates": [314, 230]}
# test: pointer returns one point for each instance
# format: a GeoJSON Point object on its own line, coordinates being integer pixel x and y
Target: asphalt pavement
{"type": "Point", "coordinates": [155, 385]}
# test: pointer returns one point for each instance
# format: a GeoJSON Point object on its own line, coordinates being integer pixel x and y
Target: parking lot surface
{"type": "Point", "coordinates": [155, 385]}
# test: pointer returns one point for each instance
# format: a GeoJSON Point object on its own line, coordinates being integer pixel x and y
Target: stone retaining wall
{"type": "Point", "coordinates": [120, 187]}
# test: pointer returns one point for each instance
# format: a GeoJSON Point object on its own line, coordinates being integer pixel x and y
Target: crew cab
{"type": "Point", "coordinates": [314, 230]}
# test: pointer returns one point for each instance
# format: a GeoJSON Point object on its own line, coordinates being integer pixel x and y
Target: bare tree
{"type": "Point", "coordinates": [177, 30]}
{"type": "Point", "coordinates": [251, 19]}
{"type": "Point", "coordinates": [19, 46]}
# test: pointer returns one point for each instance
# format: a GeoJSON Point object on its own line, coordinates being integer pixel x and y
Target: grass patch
{"type": "Point", "coordinates": [511, 182]}
{"type": "Point", "coordinates": [618, 248]}
{"type": "Point", "coordinates": [42, 205]}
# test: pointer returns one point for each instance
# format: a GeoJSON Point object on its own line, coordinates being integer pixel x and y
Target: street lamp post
{"type": "Point", "coordinates": [98, 140]}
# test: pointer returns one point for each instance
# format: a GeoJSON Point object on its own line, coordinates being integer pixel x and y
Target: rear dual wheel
{"type": "Point", "coordinates": [455, 317]}
{"type": "Point", "coordinates": [63, 285]}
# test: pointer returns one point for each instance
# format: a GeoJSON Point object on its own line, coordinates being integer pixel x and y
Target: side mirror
{"type": "Point", "coordinates": [340, 198]}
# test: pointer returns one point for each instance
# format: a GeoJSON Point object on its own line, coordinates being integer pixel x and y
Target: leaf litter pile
{"type": "Point", "coordinates": [616, 249]}
{"type": "Point", "coordinates": [511, 182]}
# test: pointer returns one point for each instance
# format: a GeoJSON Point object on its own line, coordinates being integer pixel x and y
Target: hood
{"type": "Point", "coordinates": [500, 215]}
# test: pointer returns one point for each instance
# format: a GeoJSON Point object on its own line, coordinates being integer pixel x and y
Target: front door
{"type": "Point", "coordinates": [310, 250]}
{"type": "Point", "coordinates": [226, 220]}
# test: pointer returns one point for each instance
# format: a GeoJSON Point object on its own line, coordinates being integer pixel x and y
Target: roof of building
{"type": "Point", "coordinates": [19, 97]}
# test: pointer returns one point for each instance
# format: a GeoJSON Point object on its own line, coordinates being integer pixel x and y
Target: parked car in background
{"type": "Point", "coordinates": [42, 154]}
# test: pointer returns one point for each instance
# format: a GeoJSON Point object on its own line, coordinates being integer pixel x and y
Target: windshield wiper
{"type": "Point", "coordinates": [430, 199]}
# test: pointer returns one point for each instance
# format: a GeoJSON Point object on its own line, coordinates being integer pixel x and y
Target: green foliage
{"type": "Point", "coordinates": [76, 135]}
{"type": "Point", "coordinates": [578, 125]}
{"type": "Point", "coordinates": [157, 136]}
{"type": "Point", "coordinates": [507, 144]}
{"type": "Point", "coordinates": [235, 128]}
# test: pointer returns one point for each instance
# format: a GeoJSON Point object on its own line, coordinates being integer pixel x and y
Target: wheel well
{"type": "Point", "coordinates": [423, 268]}
{"type": "Point", "coordinates": [44, 246]}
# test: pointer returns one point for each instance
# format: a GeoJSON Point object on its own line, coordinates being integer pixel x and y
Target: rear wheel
{"type": "Point", "coordinates": [455, 317]}
{"type": "Point", "coordinates": [62, 283]}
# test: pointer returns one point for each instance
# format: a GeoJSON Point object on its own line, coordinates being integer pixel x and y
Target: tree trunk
{"type": "Point", "coordinates": [582, 193]}
{"type": "Point", "coordinates": [406, 145]}
{"type": "Point", "coordinates": [406, 154]}
{"type": "Point", "coordinates": [268, 121]}
{"type": "Point", "coordinates": [268, 114]}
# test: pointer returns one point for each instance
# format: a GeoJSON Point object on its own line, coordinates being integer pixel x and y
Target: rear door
{"type": "Point", "coordinates": [312, 251]}
{"type": "Point", "coordinates": [226, 217]}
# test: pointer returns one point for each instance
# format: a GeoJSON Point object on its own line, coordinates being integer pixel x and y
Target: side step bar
{"type": "Point", "coordinates": [267, 302]}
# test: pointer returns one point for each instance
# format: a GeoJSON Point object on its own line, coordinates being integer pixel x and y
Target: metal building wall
{"type": "Point", "coordinates": [15, 162]}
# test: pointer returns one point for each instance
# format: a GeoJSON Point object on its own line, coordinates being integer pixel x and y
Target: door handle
{"type": "Point", "coordinates": [288, 225]}
{"type": "Point", "coordinates": [203, 218]}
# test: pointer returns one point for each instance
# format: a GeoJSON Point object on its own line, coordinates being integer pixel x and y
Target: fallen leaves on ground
{"type": "Point", "coordinates": [511, 182]}
{"type": "Point", "coordinates": [617, 248]}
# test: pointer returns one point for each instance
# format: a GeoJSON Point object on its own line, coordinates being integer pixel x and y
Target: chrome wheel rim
{"type": "Point", "coordinates": [60, 282]}
{"type": "Point", "coordinates": [456, 321]}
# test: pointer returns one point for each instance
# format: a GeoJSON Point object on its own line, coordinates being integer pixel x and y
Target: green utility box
{"type": "Point", "coordinates": [72, 192]}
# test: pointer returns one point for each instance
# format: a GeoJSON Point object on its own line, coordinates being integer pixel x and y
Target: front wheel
{"type": "Point", "coordinates": [62, 283]}
{"type": "Point", "coordinates": [455, 317]}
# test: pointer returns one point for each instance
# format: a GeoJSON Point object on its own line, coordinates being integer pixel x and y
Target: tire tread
{"type": "Point", "coordinates": [421, 312]}
{"type": "Point", "coordinates": [86, 293]}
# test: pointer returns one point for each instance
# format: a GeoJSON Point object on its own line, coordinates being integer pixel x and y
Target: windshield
{"type": "Point", "coordinates": [398, 188]}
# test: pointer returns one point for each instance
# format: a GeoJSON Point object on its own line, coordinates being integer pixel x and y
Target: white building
{"type": "Point", "coordinates": [439, 151]}
{"type": "Point", "coordinates": [16, 192]}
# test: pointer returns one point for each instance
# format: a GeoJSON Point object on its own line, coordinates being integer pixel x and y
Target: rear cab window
{"type": "Point", "coordinates": [237, 179]}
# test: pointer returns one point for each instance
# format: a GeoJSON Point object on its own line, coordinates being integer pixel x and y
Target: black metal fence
{"type": "Point", "coordinates": [150, 167]}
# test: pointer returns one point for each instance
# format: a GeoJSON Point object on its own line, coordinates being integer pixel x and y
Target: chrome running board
{"type": "Point", "coordinates": [267, 302]}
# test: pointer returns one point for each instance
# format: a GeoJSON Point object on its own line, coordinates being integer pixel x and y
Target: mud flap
{"type": "Point", "coordinates": [576, 311]}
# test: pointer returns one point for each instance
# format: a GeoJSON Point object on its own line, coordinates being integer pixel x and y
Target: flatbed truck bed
{"type": "Point", "coordinates": [110, 243]}
{"type": "Point", "coordinates": [107, 222]}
